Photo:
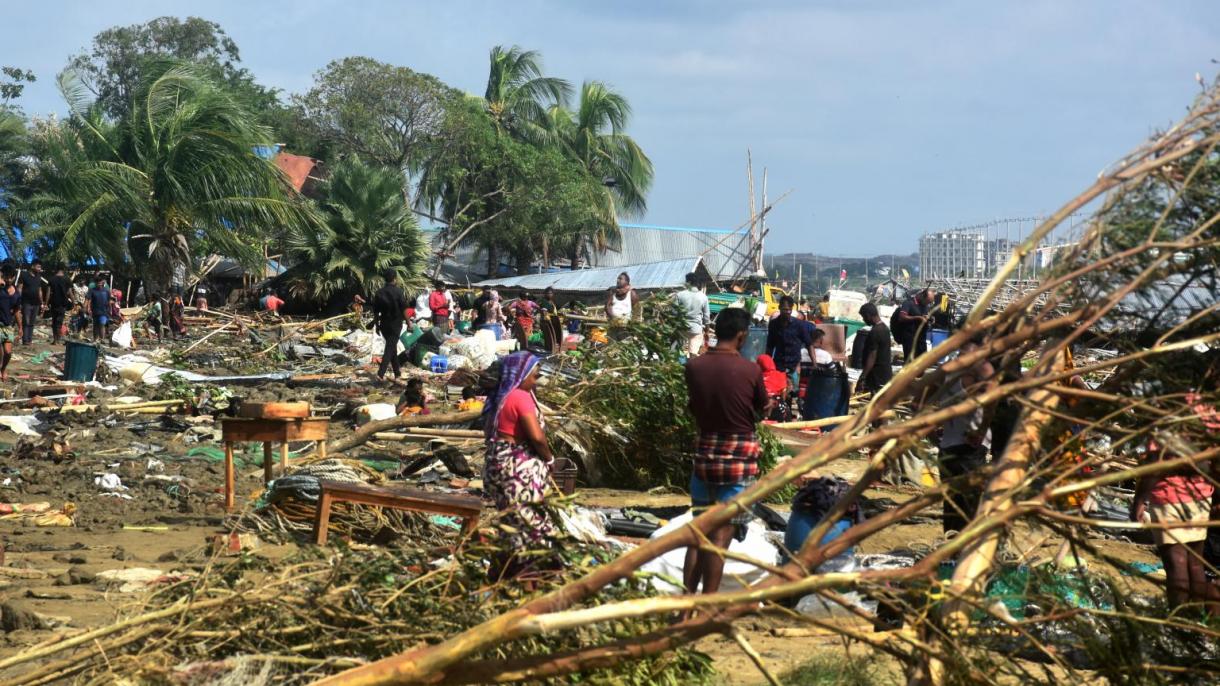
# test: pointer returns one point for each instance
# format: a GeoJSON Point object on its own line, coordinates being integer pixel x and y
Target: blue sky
{"type": "Point", "coordinates": [886, 119]}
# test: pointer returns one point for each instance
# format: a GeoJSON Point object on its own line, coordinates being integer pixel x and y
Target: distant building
{"type": "Point", "coordinates": [953, 254]}
{"type": "Point", "coordinates": [999, 252]}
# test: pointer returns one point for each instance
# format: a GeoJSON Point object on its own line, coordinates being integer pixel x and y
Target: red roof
{"type": "Point", "coordinates": [297, 167]}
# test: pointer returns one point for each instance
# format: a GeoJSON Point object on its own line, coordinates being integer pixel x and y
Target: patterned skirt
{"type": "Point", "coordinates": [517, 480]}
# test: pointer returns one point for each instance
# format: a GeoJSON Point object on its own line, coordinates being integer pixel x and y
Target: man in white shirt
{"type": "Point", "coordinates": [698, 315]}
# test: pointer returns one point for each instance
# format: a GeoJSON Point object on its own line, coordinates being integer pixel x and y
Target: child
{"type": "Point", "coordinates": [413, 400]}
{"type": "Point", "coordinates": [470, 400]}
{"type": "Point", "coordinates": [177, 317]}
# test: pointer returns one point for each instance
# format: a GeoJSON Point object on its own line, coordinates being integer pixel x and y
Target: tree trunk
{"type": "Point", "coordinates": [493, 261]}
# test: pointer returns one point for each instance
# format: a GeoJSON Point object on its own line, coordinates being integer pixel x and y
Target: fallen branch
{"type": "Point", "coordinates": [369, 431]}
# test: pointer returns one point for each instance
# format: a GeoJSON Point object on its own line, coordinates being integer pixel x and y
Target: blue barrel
{"type": "Point", "coordinates": [80, 361]}
{"type": "Point", "coordinates": [826, 395]}
{"type": "Point", "coordinates": [936, 337]}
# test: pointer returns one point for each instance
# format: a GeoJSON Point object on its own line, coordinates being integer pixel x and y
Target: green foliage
{"type": "Point", "coordinates": [630, 406]}
{"type": "Point", "coordinates": [518, 95]}
{"type": "Point", "coordinates": [14, 144]}
{"type": "Point", "coordinates": [177, 174]}
{"type": "Point", "coordinates": [367, 228]}
{"type": "Point", "coordinates": [117, 64]}
{"type": "Point", "coordinates": [386, 115]}
{"type": "Point", "coordinates": [834, 669]}
{"type": "Point", "coordinates": [507, 196]}
{"type": "Point", "coordinates": [13, 85]}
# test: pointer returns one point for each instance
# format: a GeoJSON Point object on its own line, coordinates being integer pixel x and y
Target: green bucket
{"type": "Point", "coordinates": [80, 361]}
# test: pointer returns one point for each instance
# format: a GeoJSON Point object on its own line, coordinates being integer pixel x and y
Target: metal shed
{"type": "Point", "coordinates": [649, 276]}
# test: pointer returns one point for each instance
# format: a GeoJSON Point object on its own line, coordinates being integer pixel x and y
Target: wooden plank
{"type": "Point", "coordinates": [322, 518]}
{"type": "Point", "coordinates": [268, 462]}
{"type": "Point", "coordinates": [229, 477]}
{"type": "Point", "coordinates": [275, 430]}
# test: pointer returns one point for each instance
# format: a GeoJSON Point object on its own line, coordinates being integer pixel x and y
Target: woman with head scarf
{"type": "Point", "coordinates": [524, 310]}
{"type": "Point", "coordinates": [517, 470]}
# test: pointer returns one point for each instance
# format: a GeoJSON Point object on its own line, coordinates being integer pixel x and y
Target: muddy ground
{"type": "Point", "coordinates": [176, 507]}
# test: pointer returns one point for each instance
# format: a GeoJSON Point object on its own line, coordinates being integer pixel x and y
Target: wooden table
{"type": "Point", "coordinates": [467, 507]}
{"type": "Point", "coordinates": [268, 431]}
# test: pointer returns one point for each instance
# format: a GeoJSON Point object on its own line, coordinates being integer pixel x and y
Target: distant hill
{"type": "Point", "coordinates": [820, 272]}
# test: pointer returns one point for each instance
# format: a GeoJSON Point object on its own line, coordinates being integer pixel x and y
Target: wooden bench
{"type": "Point", "coordinates": [466, 507]}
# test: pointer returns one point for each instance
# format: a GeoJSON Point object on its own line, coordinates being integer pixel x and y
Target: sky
{"type": "Point", "coordinates": [883, 119]}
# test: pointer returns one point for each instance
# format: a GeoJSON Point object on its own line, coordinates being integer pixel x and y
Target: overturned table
{"type": "Point", "coordinates": [268, 431]}
{"type": "Point", "coordinates": [464, 507]}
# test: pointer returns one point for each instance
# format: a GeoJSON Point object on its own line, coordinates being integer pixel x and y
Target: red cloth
{"type": "Point", "coordinates": [1173, 489]}
{"type": "Point", "coordinates": [438, 303]}
{"type": "Point", "coordinates": [726, 458]}
{"type": "Point", "coordinates": [775, 381]}
{"type": "Point", "coordinates": [517, 404]}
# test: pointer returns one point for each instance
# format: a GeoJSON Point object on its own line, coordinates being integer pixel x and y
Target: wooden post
{"type": "Point", "coordinates": [284, 458]}
{"type": "Point", "coordinates": [322, 519]}
{"type": "Point", "coordinates": [268, 462]}
{"type": "Point", "coordinates": [322, 449]}
{"type": "Point", "coordinates": [229, 485]}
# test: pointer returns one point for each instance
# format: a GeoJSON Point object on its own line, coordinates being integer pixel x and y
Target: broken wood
{"type": "Point", "coordinates": [367, 432]}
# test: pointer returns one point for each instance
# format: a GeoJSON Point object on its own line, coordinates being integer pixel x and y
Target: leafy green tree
{"type": "Point", "coordinates": [13, 85]}
{"type": "Point", "coordinates": [113, 69]}
{"type": "Point", "coordinates": [14, 145]}
{"type": "Point", "coordinates": [518, 95]}
{"type": "Point", "coordinates": [367, 228]}
{"type": "Point", "coordinates": [594, 135]}
{"type": "Point", "coordinates": [383, 114]}
{"type": "Point", "coordinates": [176, 176]}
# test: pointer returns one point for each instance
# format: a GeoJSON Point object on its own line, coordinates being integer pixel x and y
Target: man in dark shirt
{"type": "Point", "coordinates": [910, 324]}
{"type": "Point", "coordinates": [389, 312]}
{"type": "Point", "coordinates": [875, 367]}
{"type": "Point", "coordinates": [60, 296]}
{"type": "Point", "coordinates": [31, 300]}
{"type": "Point", "coordinates": [98, 307]}
{"type": "Point", "coordinates": [787, 336]}
{"type": "Point", "coordinates": [727, 396]}
{"type": "Point", "coordinates": [10, 303]}
{"type": "Point", "coordinates": [479, 303]}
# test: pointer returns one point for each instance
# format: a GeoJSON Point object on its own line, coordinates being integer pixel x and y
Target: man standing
{"type": "Point", "coordinates": [438, 304]}
{"type": "Point", "coordinates": [60, 297]}
{"type": "Point", "coordinates": [623, 302]}
{"type": "Point", "coordinates": [31, 300]}
{"type": "Point", "coordinates": [97, 305]}
{"type": "Point", "coordinates": [910, 324]}
{"type": "Point", "coordinates": [480, 303]}
{"type": "Point", "coordinates": [698, 315]}
{"type": "Point", "coordinates": [875, 366]}
{"type": "Point", "coordinates": [727, 397]}
{"type": "Point", "coordinates": [964, 443]}
{"type": "Point", "coordinates": [389, 312]}
{"type": "Point", "coordinates": [787, 336]}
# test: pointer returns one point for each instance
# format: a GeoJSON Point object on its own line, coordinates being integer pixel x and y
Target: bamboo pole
{"type": "Point", "coordinates": [369, 431]}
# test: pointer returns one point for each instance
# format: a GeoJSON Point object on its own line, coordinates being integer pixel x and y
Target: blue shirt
{"type": "Point", "coordinates": [99, 302]}
{"type": "Point", "coordinates": [786, 338]}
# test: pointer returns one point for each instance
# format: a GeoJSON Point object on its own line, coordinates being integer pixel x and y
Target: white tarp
{"type": "Point", "coordinates": [737, 574]}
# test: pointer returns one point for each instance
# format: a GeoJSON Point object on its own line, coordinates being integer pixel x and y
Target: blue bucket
{"type": "Point", "coordinates": [80, 361]}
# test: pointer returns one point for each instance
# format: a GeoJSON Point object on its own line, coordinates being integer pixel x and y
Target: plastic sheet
{"type": "Point", "coordinates": [737, 574]}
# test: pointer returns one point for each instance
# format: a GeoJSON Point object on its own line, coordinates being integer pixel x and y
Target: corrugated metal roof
{"type": "Point", "coordinates": [724, 252]}
{"type": "Point", "coordinates": [646, 276]}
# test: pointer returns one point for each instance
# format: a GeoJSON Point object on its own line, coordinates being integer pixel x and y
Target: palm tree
{"type": "Point", "coordinates": [594, 135]}
{"type": "Point", "coordinates": [13, 146]}
{"type": "Point", "coordinates": [178, 176]}
{"type": "Point", "coordinates": [518, 95]}
{"type": "Point", "coordinates": [367, 228]}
